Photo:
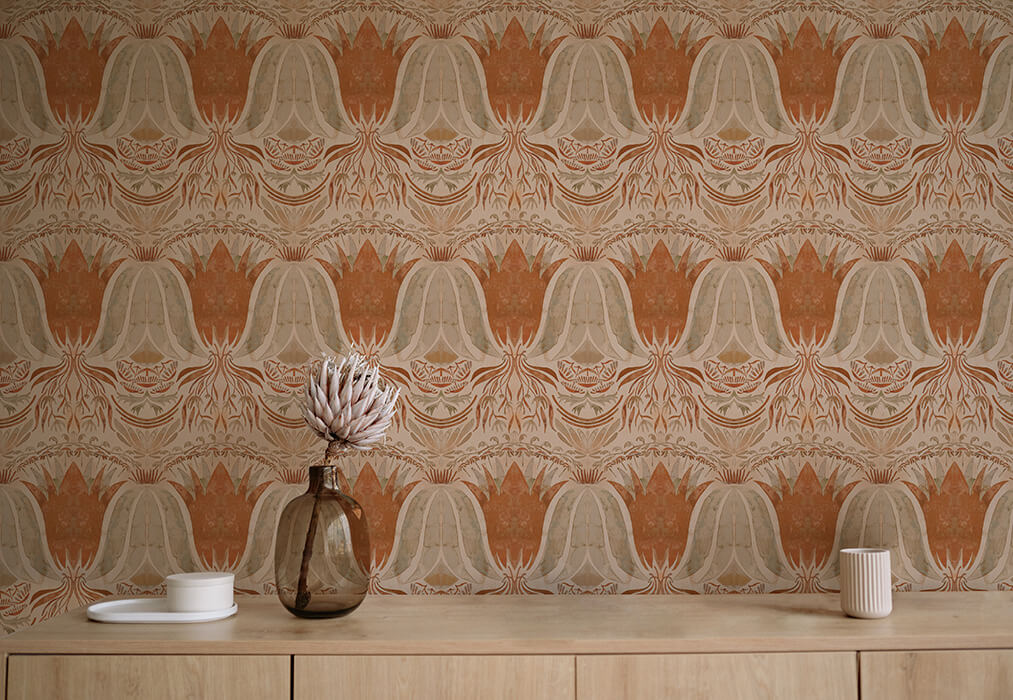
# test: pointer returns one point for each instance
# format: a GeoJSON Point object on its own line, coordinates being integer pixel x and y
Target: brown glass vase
{"type": "Point", "coordinates": [321, 555]}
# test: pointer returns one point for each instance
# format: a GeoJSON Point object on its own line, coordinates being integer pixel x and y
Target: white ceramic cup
{"type": "Point", "coordinates": [866, 588]}
{"type": "Point", "coordinates": [204, 591]}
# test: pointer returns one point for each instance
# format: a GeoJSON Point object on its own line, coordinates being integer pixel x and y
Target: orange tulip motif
{"type": "Point", "coordinates": [514, 68]}
{"type": "Point", "coordinates": [660, 170]}
{"type": "Point", "coordinates": [367, 69]}
{"type": "Point", "coordinates": [808, 170]}
{"type": "Point", "coordinates": [73, 392]}
{"type": "Point", "coordinates": [220, 513]}
{"type": "Point", "coordinates": [951, 171]}
{"type": "Point", "coordinates": [220, 69]}
{"type": "Point", "coordinates": [367, 292]}
{"type": "Point", "coordinates": [220, 390]}
{"type": "Point", "coordinates": [382, 505]}
{"type": "Point", "coordinates": [807, 292]}
{"type": "Point", "coordinates": [954, 290]}
{"type": "Point", "coordinates": [954, 69]}
{"type": "Point", "coordinates": [954, 518]}
{"type": "Point", "coordinates": [807, 511]}
{"type": "Point", "coordinates": [73, 290]}
{"type": "Point", "coordinates": [514, 512]}
{"type": "Point", "coordinates": [660, 513]}
{"type": "Point", "coordinates": [807, 392]}
{"type": "Point", "coordinates": [660, 292]}
{"type": "Point", "coordinates": [807, 70]}
{"type": "Point", "coordinates": [73, 513]}
{"type": "Point", "coordinates": [220, 292]}
{"type": "Point", "coordinates": [660, 67]}
{"type": "Point", "coordinates": [515, 170]}
{"type": "Point", "coordinates": [514, 291]}
{"type": "Point", "coordinates": [73, 66]}
{"type": "Point", "coordinates": [955, 391]}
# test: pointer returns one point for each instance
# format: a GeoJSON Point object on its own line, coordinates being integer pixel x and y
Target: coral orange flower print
{"type": "Point", "coordinates": [660, 67]}
{"type": "Point", "coordinates": [220, 68]}
{"type": "Point", "coordinates": [951, 171]}
{"type": "Point", "coordinates": [954, 290]}
{"type": "Point", "coordinates": [73, 66]}
{"type": "Point", "coordinates": [954, 519]}
{"type": "Point", "coordinates": [367, 292]}
{"type": "Point", "coordinates": [73, 290]}
{"type": "Point", "coordinates": [73, 513]}
{"type": "Point", "coordinates": [807, 290]}
{"type": "Point", "coordinates": [807, 69]}
{"type": "Point", "coordinates": [955, 391]}
{"type": "Point", "coordinates": [514, 67]}
{"type": "Point", "coordinates": [74, 392]}
{"type": "Point", "coordinates": [808, 391]}
{"type": "Point", "coordinates": [514, 512]}
{"type": "Point", "coordinates": [220, 291]}
{"type": "Point", "coordinates": [954, 69]}
{"type": "Point", "coordinates": [514, 290]}
{"type": "Point", "coordinates": [220, 512]}
{"type": "Point", "coordinates": [382, 505]}
{"type": "Point", "coordinates": [807, 512]}
{"type": "Point", "coordinates": [660, 291]}
{"type": "Point", "coordinates": [367, 69]}
{"type": "Point", "coordinates": [660, 512]}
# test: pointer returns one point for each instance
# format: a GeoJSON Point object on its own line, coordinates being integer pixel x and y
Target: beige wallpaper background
{"type": "Point", "coordinates": [682, 297]}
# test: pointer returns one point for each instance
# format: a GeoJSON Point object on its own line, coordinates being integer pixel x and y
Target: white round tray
{"type": "Point", "coordinates": [144, 610]}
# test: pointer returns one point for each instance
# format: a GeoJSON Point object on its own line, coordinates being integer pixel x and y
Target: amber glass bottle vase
{"type": "Point", "coordinates": [321, 555]}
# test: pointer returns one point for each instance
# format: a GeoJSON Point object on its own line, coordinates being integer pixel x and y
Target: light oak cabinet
{"type": "Point", "coordinates": [426, 677]}
{"type": "Point", "coordinates": [757, 647]}
{"type": "Point", "coordinates": [87, 677]}
{"type": "Point", "coordinates": [805, 676]}
{"type": "Point", "coordinates": [937, 675]}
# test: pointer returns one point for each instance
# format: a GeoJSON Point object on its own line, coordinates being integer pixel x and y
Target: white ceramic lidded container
{"type": "Point", "coordinates": [204, 591]}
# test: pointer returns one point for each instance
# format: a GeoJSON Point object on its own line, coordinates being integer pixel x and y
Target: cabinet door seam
{"type": "Point", "coordinates": [858, 672]}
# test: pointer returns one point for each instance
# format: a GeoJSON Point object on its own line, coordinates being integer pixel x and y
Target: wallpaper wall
{"type": "Point", "coordinates": [682, 296]}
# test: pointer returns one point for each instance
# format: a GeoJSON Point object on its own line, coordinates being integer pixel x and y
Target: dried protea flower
{"type": "Point", "coordinates": [348, 404]}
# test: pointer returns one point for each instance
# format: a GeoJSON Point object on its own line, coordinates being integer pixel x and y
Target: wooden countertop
{"type": "Point", "coordinates": [551, 625]}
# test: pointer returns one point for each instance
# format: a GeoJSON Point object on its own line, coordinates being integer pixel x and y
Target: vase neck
{"type": "Point", "coordinates": [323, 479]}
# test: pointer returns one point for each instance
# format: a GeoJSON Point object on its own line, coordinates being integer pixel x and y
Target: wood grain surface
{"type": "Point", "coordinates": [404, 625]}
{"type": "Point", "coordinates": [798, 676]}
{"type": "Point", "coordinates": [86, 677]}
{"type": "Point", "coordinates": [937, 675]}
{"type": "Point", "coordinates": [427, 677]}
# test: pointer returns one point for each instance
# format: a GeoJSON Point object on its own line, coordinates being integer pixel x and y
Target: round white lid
{"type": "Point", "coordinates": [201, 579]}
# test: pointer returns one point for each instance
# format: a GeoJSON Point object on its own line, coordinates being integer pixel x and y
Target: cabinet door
{"type": "Point", "coordinates": [983, 674]}
{"type": "Point", "coordinates": [802, 676]}
{"type": "Point", "coordinates": [3, 676]}
{"type": "Point", "coordinates": [433, 677]}
{"type": "Point", "coordinates": [149, 677]}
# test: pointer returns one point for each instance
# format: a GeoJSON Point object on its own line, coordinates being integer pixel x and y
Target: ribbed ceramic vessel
{"type": "Point", "coordinates": [866, 589]}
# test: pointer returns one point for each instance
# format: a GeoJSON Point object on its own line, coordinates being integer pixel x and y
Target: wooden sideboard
{"type": "Point", "coordinates": [934, 645]}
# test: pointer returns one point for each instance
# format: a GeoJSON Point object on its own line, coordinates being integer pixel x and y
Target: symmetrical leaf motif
{"type": "Point", "coordinates": [678, 299]}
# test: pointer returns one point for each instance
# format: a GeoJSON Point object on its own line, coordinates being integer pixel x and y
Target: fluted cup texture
{"type": "Point", "coordinates": [866, 589]}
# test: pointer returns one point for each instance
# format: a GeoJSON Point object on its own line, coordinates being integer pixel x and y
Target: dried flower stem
{"type": "Point", "coordinates": [335, 448]}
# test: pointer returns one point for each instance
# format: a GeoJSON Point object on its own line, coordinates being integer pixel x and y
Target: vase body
{"type": "Point", "coordinates": [321, 554]}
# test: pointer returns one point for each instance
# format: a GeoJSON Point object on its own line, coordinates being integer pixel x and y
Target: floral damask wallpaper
{"type": "Point", "coordinates": [682, 296]}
